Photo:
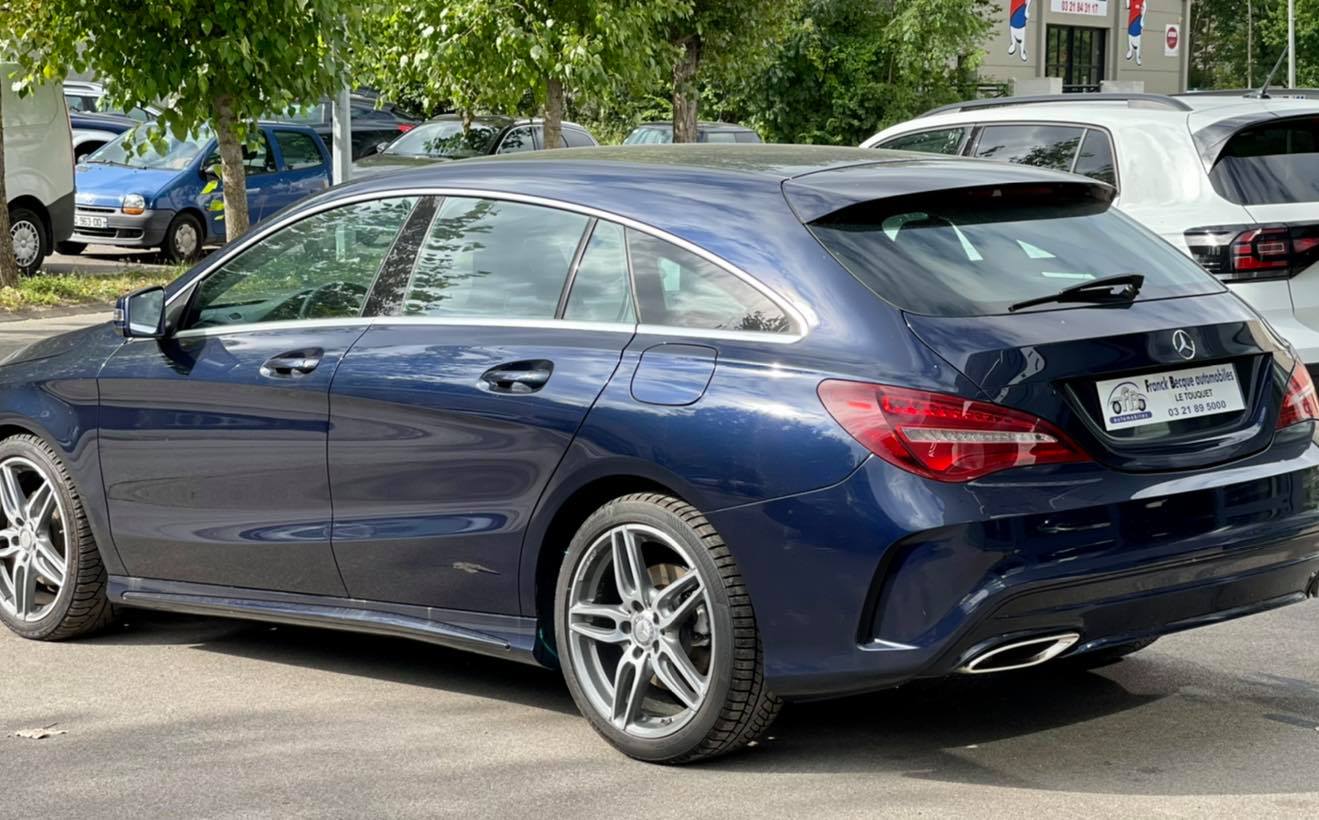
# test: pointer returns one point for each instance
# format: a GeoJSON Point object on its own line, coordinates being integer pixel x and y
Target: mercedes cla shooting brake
{"type": "Point", "coordinates": [706, 427]}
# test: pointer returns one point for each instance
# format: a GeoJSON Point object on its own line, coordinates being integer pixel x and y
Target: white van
{"type": "Point", "coordinates": [38, 169]}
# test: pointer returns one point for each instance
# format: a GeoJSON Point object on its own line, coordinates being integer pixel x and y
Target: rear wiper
{"type": "Point", "coordinates": [1120, 288]}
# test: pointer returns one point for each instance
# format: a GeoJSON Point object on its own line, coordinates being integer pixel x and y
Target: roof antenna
{"type": "Point", "coordinates": [1264, 89]}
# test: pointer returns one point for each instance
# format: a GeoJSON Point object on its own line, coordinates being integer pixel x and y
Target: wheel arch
{"type": "Point", "coordinates": [550, 545]}
{"type": "Point", "coordinates": [37, 206]}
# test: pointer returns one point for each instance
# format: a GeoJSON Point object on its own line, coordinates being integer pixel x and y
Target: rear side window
{"type": "Point", "coordinates": [499, 259]}
{"type": "Point", "coordinates": [1095, 159]}
{"type": "Point", "coordinates": [600, 290]}
{"type": "Point", "coordinates": [677, 288]}
{"type": "Point", "coordinates": [978, 251]}
{"type": "Point", "coordinates": [943, 141]}
{"type": "Point", "coordinates": [519, 139]}
{"type": "Point", "coordinates": [747, 136]}
{"type": "Point", "coordinates": [1277, 162]}
{"type": "Point", "coordinates": [1044, 146]}
{"type": "Point", "coordinates": [299, 150]}
{"type": "Point", "coordinates": [577, 139]}
{"type": "Point", "coordinates": [719, 136]}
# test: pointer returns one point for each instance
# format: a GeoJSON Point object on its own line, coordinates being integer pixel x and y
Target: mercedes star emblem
{"type": "Point", "coordinates": [1183, 344]}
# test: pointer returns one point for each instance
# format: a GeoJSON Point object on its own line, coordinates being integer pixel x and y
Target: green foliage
{"type": "Point", "coordinates": [66, 289]}
{"type": "Point", "coordinates": [223, 63]}
{"type": "Point", "coordinates": [849, 67]}
{"type": "Point", "coordinates": [482, 56]}
{"type": "Point", "coordinates": [261, 56]}
{"type": "Point", "coordinates": [1220, 32]}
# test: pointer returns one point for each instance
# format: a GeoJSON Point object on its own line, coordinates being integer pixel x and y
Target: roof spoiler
{"type": "Point", "coordinates": [816, 195]}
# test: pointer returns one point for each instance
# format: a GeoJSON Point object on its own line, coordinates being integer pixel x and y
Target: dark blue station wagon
{"type": "Point", "coordinates": [706, 427]}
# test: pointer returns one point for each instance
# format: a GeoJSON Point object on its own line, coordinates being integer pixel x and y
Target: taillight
{"type": "Point", "coordinates": [1253, 253]}
{"type": "Point", "coordinates": [944, 437]}
{"type": "Point", "coordinates": [1299, 403]}
{"type": "Point", "coordinates": [405, 127]}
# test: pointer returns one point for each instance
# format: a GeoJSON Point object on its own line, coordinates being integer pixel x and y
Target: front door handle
{"type": "Point", "coordinates": [519, 377]}
{"type": "Point", "coordinates": [293, 364]}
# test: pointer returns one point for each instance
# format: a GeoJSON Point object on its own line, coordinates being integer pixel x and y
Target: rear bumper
{"type": "Point", "coordinates": [143, 231]}
{"type": "Point", "coordinates": [886, 577]}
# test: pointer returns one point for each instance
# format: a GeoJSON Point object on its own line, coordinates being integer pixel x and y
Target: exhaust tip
{"type": "Point", "coordinates": [1021, 654]}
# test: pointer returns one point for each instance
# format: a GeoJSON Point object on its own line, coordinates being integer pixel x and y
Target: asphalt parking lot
{"type": "Point", "coordinates": [169, 716]}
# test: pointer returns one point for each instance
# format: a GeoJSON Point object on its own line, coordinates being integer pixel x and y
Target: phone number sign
{"type": "Point", "coordinates": [1093, 8]}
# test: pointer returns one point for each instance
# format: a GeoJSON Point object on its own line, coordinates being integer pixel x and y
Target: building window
{"type": "Point", "coordinates": [1076, 53]}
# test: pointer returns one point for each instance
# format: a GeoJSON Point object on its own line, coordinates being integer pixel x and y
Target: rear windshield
{"type": "Point", "coordinates": [977, 251]}
{"type": "Point", "coordinates": [1276, 162]}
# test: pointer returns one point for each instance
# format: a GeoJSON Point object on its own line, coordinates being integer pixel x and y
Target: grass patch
{"type": "Point", "coordinates": [70, 289]}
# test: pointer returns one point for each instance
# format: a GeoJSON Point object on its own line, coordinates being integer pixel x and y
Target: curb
{"type": "Point", "coordinates": [28, 314]}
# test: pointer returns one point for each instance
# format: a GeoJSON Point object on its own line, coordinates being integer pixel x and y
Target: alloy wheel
{"type": "Point", "coordinates": [34, 542]}
{"type": "Point", "coordinates": [27, 242]}
{"type": "Point", "coordinates": [640, 631]}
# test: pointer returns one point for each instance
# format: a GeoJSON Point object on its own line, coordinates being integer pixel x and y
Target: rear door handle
{"type": "Point", "coordinates": [292, 364]}
{"type": "Point", "coordinates": [519, 377]}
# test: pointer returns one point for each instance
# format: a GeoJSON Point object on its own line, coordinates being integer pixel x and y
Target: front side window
{"type": "Point", "coordinates": [321, 267]}
{"type": "Point", "coordinates": [719, 136]}
{"type": "Point", "coordinates": [1044, 146]}
{"type": "Point", "coordinates": [577, 139]}
{"type": "Point", "coordinates": [299, 150]}
{"type": "Point", "coordinates": [446, 139]}
{"type": "Point", "coordinates": [486, 258]}
{"type": "Point", "coordinates": [677, 288]}
{"type": "Point", "coordinates": [601, 291]}
{"type": "Point", "coordinates": [978, 251]}
{"type": "Point", "coordinates": [943, 141]}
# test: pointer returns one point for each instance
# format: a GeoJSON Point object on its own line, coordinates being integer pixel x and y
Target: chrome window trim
{"type": "Point", "coordinates": [795, 315]}
{"type": "Point", "coordinates": [477, 321]}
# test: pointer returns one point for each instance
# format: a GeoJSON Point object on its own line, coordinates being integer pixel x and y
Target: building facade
{"type": "Point", "coordinates": [1131, 45]}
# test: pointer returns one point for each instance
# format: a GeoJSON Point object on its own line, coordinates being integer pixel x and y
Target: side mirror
{"type": "Point", "coordinates": [141, 314]}
{"type": "Point", "coordinates": [211, 172]}
{"type": "Point", "coordinates": [380, 148]}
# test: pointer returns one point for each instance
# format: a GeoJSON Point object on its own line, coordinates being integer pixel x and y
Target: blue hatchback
{"type": "Point", "coordinates": [157, 197]}
{"type": "Point", "coordinates": [707, 427]}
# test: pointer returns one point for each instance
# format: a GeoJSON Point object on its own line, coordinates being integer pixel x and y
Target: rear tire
{"type": "Point", "coordinates": [679, 636]}
{"type": "Point", "coordinates": [31, 244]}
{"type": "Point", "coordinates": [52, 581]}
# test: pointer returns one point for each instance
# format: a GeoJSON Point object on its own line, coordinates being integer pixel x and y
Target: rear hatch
{"type": "Point", "coordinates": [1178, 375]}
{"type": "Point", "coordinates": [1266, 160]}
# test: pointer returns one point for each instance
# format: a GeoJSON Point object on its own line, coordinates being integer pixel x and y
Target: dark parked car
{"type": "Point", "coordinates": [445, 138]}
{"type": "Point", "coordinates": [707, 428]}
{"type": "Point", "coordinates": [661, 133]}
{"type": "Point", "coordinates": [372, 127]}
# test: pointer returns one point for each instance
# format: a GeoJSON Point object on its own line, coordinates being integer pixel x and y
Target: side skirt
{"type": "Point", "coordinates": [501, 636]}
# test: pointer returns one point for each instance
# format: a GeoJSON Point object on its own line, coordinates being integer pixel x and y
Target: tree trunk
{"type": "Point", "coordinates": [686, 94]}
{"type": "Point", "coordinates": [232, 172]}
{"type": "Point", "coordinates": [553, 135]}
{"type": "Point", "coordinates": [8, 265]}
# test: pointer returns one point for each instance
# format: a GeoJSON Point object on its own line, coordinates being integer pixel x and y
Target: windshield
{"type": "Point", "coordinates": [444, 140]}
{"type": "Point", "coordinates": [132, 148]}
{"type": "Point", "coordinates": [1277, 162]}
{"type": "Point", "coordinates": [977, 251]}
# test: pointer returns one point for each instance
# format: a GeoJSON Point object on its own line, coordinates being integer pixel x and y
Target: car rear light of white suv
{"type": "Point", "coordinates": [941, 436]}
{"type": "Point", "coordinates": [1254, 253]}
{"type": "Point", "coordinates": [1300, 402]}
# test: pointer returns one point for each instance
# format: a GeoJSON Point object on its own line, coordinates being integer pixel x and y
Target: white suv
{"type": "Point", "coordinates": [38, 170]}
{"type": "Point", "coordinates": [1232, 180]}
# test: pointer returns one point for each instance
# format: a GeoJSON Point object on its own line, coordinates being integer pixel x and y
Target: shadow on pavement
{"type": "Point", "coordinates": [1158, 724]}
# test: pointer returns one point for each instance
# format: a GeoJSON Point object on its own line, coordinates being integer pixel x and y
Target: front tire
{"type": "Point", "coordinates": [657, 636]}
{"type": "Point", "coordinates": [70, 248]}
{"type": "Point", "coordinates": [52, 581]}
{"type": "Point", "coordinates": [31, 245]}
{"type": "Point", "coordinates": [183, 240]}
